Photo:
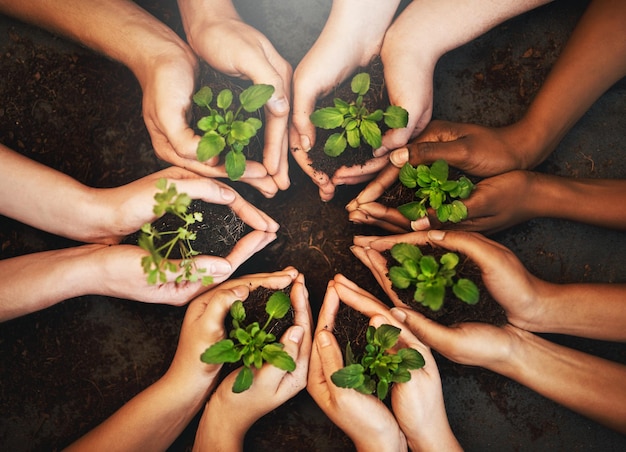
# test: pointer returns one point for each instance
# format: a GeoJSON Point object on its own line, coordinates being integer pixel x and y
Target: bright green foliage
{"type": "Point", "coordinates": [356, 122]}
{"type": "Point", "coordinates": [430, 278]}
{"type": "Point", "coordinates": [226, 127]}
{"type": "Point", "coordinates": [251, 344]}
{"type": "Point", "coordinates": [378, 368]}
{"type": "Point", "coordinates": [157, 262]}
{"type": "Point", "coordinates": [436, 191]}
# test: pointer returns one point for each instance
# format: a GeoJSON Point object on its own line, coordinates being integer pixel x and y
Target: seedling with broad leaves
{"type": "Point", "coordinates": [227, 127]}
{"type": "Point", "coordinates": [355, 120]}
{"type": "Point", "coordinates": [160, 244]}
{"type": "Point", "coordinates": [252, 344]}
{"type": "Point", "coordinates": [436, 191]}
{"type": "Point", "coordinates": [429, 277]}
{"type": "Point", "coordinates": [379, 368]}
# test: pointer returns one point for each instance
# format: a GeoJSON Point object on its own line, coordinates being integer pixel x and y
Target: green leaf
{"type": "Point", "coordinates": [224, 99]}
{"type": "Point", "coordinates": [466, 291]}
{"type": "Point", "coordinates": [335, 145]}
{"type": "Point", "coordinates": [449, 260]}
{"type": "Point", "coordinates": [360, 83]}
{"type": "Point", "coordinates": [238, 311]}
{"type": "Point", "coordinates": [411, 358]}
{"type": "Point", "coordinates": [439, 171]}
{"type": "Point", "coordinates": [413, 210]}
{"type": "Point", "coordinates": [243, 380]}
{"type": "Point", "coordinates": [235, 165]}
{"type": "Point", "coordinates": [429, 266]}
{"type": "Point", "coordinates": [327, 118]}
{"type": "Point", "coordinates": [203, 97]}
{"type": "Point", "coordinates": [443, 212]}
{"type": "Point", "coordinates": [242, 131]}
{"type": "Point", "coordinates": [400, 278]}
{"type": "Point", "coordinates": [278, 305]}
{"type": "Point", "coordinates": [349, 377]}
{"type": "Point", "coordinates": [465, 187]}
{"type": "Point", "coordinates": [432, 296]}
{"type": "Point", "coordinates": [382, 389]}
{"type": "Point", "coordinates": [458, 211]}
{"type": "Point", "coordinates": [277, 357]}
{"type": "Point", "coordinates": [375, 116]}
{"type": "Point", "coordinates": [255, 122]}
{"type": "Point", "coordinates": [210, 145]}
{"type": "Point", "coordinates": [221, 352]}
{"type": "Point", "coordinates": [207, 123]}
{"type": "Point", "coordinates": [354, 137]}
{"type": "Point", "coordinates": [401, 375]}
{"type": "Point", "coordinates": [396, 117]}
{"type": "Point", "coordinates": [436, 198]}
{"type": "Point", "coordinates": [386, 336]}
{"type": "Point", "coordinates": [255, 96]}
{"type": "Point", "coordinates": [408, 175]}
{"type": "Point", "coordinates": [403, 252]}
{"type": "Point", "coordinates": [371, 133]}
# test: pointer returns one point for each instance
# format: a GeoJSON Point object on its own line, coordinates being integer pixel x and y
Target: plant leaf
{"type": "Point", "coordinates": [382, 389]}
{"type": "Point", "coordinates": [203, 97]}
{"type": "Point", "coordinates": [449, 260]}
{"type": "Point", "coordinates": [386, 336]}
{"type": "Point", "coordinates": [224, 99]}
{"type": "Point", "coordinates": [210, 145]}
{"type": "Point", "coordinates": [439, 171]}
{"type": "Point", "coordinates": [371, 133]}
{"type": "Point", "coordinates": [327, 118]}
{"type": "Point", "coordinates": [408, 175]}
{"type": "Point", "coordinates": [360, 83]}
{"type": "Point", "coordinates": [242, 130]}
{"type": "Point", "coordinates": [405, 251]}
{"type": "Point", "coordinates": [413, 210]}
{"type": "Point", "coordinates": [277, 357]}
{"type": "Point", "coordinates": [466, 291]}
{"type": "Point", "coordinates": [396, 117]}
{"type": "Point", "coordinates": [411, 358]}
{"type": "Point", "coordinates": [349, 377]}
{"type": "Point", "coordinates": [278, 305]}
{"type": "Point", "coordinates": [235, 165]}
{"type": "Point", "coordinates": [221, 352]}
{"type": "Point", "coordinates": [399, 277]}
{"type": "Point", "coordinates": [238, 311]}
{"type": "Point", "coordinates": [354, 137]}
{"type": "Point", "coordinates": [255, 96]}
{"type": "Point", "coordinates": [335, 145]}
{"type": "Point", "coordinates": [243, 380]}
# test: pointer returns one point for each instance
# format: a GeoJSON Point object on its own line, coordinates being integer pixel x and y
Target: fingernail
{"type": "Point", "coordinates": [420, 224]}
{"type": "Point", "coordinates": [436, 235]}
{"type": "Point", "coordinates": [398, 314]}
{"type": "Point", "coordinates": [296, 333]}
{"type": "Point", "coordinates": [240, 291]}
{"type": "Point", "coordinates": [323, 339]}
{"type": "Point", "coordinates": [399, 157]}
{"type": "Point", "coordinates": [305, 143]}
{"type": "Point", "coordinates": [221, 268]}
{"type": "Point", "coordinates": [227, 194]}
{"type": "Point", "coordinates": [380, 151]}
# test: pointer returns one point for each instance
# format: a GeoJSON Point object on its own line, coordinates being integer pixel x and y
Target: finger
{"type": "Point", "coordinates": [281, 176]}
{"type": "Point", "coordinates": [329, 309]}
{"type": "Point", "coordinates": [330, 356]}
{"type": "Point", "coordinates": [361, 217]}
{"type": "Point", "coordinates": [429, 332]}
{"type": "Point", "coordinates": [319, 178]}
{"type": "Point", "coordinates": [358, 298]}
{"type": "Point", "coordinates": [359, 173]}
{"type": "Point", "coordinates": [275, 280]}
{"type": "Point", "coordinates": [215, 305]}
{"type": "Point", "coordinates": [373, 212]}
{"type": "Point", "coordinates": [252, 216]}
{"type": "Point", "coordinates": [246, 247]}
{"type": "Point", "coordinates": [376, 188]}
{"type": "Point", "coordinates": [302, 310]}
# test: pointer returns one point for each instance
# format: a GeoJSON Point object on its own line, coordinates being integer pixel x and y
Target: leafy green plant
{"type": "Point", "coordinates": [160, 244]}
{"type": "Point", "coordinates": [356, 120]}
{"type": "Point", "coordinates": [252, 344]}
{"type": "Point", "coordinates": [378, 368]}
{"type": "Point", "coordinates": [226, 126]}
{"type": "Point", "coordinates": [430, 278]}
{"type": "Point", "coordinates": [436, 191]}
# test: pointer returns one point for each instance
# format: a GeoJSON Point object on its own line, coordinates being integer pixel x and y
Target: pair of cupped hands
{"type": "Point", "coordinates": [417, 414]}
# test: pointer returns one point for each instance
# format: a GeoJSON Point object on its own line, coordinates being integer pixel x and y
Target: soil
{"type": "Point", "coordinates": [375, 98]}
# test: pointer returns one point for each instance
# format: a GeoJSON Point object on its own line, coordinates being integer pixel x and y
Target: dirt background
{"type": "Point", "coordinates": [64, 370]}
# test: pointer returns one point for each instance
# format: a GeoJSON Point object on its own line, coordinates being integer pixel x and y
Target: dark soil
{"type": "Point", "coordinates": [376, 98]}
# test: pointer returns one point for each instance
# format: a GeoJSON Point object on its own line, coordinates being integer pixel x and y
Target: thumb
{"type": "Point", "coordinates": [428, 331]}
{"type": "Point", "coordinates": [330, 355]}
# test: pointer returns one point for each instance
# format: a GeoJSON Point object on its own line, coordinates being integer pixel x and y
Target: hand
{"type": "Point", "coordinates": [497, 203]}
{"type": "Point", "coordinates": [130, 206]}
{"type": "Point", "coordinates": [353, 412]}
{"type": "Point", "coordinates": [218, 35]}
{"type": "Point", "coordinates": [522, 297]}
{"type": "Point", "coordinates": [229, 415]}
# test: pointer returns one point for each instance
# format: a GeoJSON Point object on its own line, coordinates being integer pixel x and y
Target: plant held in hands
{"type": "Point", "coordinates": [430, 278]}
{"type": "Point", "coordinates": [252, 344]}
{"type": "Point", "coordinates": [378, 368]}
{"type": "Point", "coordinates": [226, 126]}
{"type": "Point", "coordinates": [355, 120]}
{"type": "Point", "coordinates": [436, 191]}
{"type": "Point", "coordinates": [156, 243]}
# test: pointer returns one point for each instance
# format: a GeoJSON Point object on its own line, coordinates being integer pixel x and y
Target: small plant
{"type": "Point", "coordinates": [251, 344]}
{"type": "Point", "coordinates": [155, 242]}
{"type": "Point", "coordinates": [226, 127]}
{"type": "Point", "coordinates": [355, 120]}
{"type": "Point", "coordinates": [378, 368]}
{"type": "Point", "coordinates": [435, 190]}
{"type": "Point", "coordinates": [430, 278]}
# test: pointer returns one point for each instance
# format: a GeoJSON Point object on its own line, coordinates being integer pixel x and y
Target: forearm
{"type": "Point", "coordinates": [56, 276]}
{"type": "Point", "coordinates": [119, 29]}
{"type": "Point", "coordinates": [591, 201]}
{"type": "Point", "coordinates": [584, 383]}
{"type": "Point", "coordinates": [152, 420]}
{"type": "Point", "coordinates": [216, 435]}
{"type": "Point", "coordinates": [593, 60]}
{"type": "Point", "coordinates": [49, 200]}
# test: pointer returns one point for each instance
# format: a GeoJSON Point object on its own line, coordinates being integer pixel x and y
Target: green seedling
{"type": "Point", "coordinates": [156, 243]}
{"type": "Point", "coordinates": [430, 278]}
{"type": "Point", "coordinates": [436, 191]}
{"type": "Point", "coordinates": [356, 122]}
{"type": "Point", "coordinates": [378, 368]}
{"type": "Point", "coordinates": [226, 126]}
{"type": "Point", "coordinates": [252, 344]}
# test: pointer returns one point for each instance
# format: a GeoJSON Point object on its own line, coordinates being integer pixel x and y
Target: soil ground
{"type": "Point", "coordinates": [64, 370]}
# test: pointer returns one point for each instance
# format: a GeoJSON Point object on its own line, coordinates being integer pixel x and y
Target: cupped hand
{"type": "Point", "coordinates": [353, 412]}
{"type": "Point", "coordinates": [130, 206]}
{"type": "Point", "coordinates": [521, 296]}
{"type": "Point", "coordinates": [476, 150]}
